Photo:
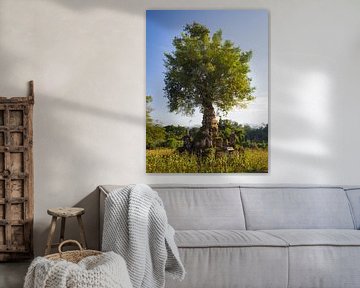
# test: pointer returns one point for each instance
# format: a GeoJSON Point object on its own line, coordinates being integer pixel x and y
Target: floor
{"type": "Point", "coordinates": [12, 274]}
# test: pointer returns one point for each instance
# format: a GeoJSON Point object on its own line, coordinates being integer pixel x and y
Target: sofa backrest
{"type": "Point", "coordinates": [203, 207]}
{"type": "Point", "coordinates": [257, 207]}
{"type": "Point", "coordinates": [296, 208]}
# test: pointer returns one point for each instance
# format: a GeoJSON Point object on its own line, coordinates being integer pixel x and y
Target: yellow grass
{"type": "Point", "coordinates": [170, 161]}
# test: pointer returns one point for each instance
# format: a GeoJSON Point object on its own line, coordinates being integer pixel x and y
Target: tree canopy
{"type": "Point", "coordinates": [206, 71]}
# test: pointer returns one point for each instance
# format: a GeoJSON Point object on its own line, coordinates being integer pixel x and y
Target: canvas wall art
{"type": "Point", "coordinates": [207, 91]}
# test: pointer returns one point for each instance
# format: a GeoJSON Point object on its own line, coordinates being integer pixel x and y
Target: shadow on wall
{"type": "Point", "coordinates": [71, 160]}
{"type": "Point", "coordinates": [6, 73]}
{"type": "Point", "coordinates": [79, 108]}
{"type": "Point", "coordinates": [63, 163]}
{"type": "Point", "coordinates": [137, 7]}
{"type": "Point", "coordinates": [134, 6]}
{"type": "Point", "coordinates": [70, 154]}
{"type": "Point", "coordinates": [307, 106]}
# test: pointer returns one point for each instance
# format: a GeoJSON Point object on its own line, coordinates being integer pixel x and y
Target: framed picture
{"type": "Point", "coordinates": [207, 91]}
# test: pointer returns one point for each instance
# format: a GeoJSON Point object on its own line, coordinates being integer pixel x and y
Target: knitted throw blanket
{"type": "Point", "coordinates": [103, 271]}
{"type": "Point", "coordinates": [136, 227]}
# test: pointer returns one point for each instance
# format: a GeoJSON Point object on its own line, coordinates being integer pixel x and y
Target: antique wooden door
{"type": "Point", "coordinates": [16, 177]}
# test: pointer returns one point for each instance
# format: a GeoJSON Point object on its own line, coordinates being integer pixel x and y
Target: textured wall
{"type": "Point", "coordinates": [87, 58]}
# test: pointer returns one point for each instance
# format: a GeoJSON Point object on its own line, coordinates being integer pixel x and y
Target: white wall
{"type": "Point", "coordinates": [87, 59]}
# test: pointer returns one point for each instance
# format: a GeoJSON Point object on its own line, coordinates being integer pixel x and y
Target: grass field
{"type": "Point", "coordinates": [167, 160]}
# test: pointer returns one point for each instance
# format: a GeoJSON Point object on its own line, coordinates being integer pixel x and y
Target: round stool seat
{"type": "Point", "coordinates": [66, 211]}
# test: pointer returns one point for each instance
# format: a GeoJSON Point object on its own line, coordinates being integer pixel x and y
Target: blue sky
{"type": "Point", "coordinates": [246, 28]}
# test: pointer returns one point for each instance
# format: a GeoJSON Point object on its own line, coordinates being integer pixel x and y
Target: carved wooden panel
{"type": "Point", "coordinates": [16, 177]}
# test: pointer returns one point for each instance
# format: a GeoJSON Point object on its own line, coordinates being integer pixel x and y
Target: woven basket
{"type": "Point", "coordinates": [72, 256]}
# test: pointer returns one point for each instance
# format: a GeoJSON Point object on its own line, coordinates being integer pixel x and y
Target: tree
{"type": "Point", "coordinates": [155, 134]}
{"type": "Point", "coordinates": [208, 73]}
{"type": "Point", "coordinates": [149, 120]}
{"type": "Point", "coordinates": [177, 132]}
{"type": "Point", "coordinates": [232, 130]}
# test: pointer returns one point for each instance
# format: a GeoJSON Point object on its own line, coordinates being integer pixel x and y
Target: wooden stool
{"type": "Point", "coordinates": [64, 213]}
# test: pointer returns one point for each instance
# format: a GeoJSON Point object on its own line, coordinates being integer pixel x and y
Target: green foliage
{"type": "Point", "coordinates": [194, 131]}
{"type": "Point", "coordinates": [206, 71]}
{"type": "Point", "coordinates": [173, 143]}
{"type": "Point", "coordinates": [259, 134]}
{"type": "Point", "coordinates": [177, 132]}
{"type": "Point", "coordinates": [148, 110]}
{"type": "Point", "coordinates": [155, 133]}
{"type": "Point", "coordinates": [171, 136]}
{"type": "Point", "coordinates": [155, 136]}
{"type": "Point", "coordinates": [170, 161]}
{"type": "Point", "coordinates": [227, 127]}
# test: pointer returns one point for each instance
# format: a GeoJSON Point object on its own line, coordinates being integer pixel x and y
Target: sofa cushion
{"type": "Point", "coordinates": [226, 238]}
{"type": "Point", "coordinates": [324, 266]}
{"type": "Point", "coordinates": [296, 208]}
{"type": "Point", "coordinates": [220, 267]}
{"type": "Point", "coordinates": [322, 258]}
{"type": "Point", "coordinates": [191, 208]}
{"type": "Point", "coordinates": [317, 237]}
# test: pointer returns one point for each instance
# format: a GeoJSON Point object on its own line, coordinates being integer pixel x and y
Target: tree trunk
{"type": "Point", "coordinates": [210, 124]}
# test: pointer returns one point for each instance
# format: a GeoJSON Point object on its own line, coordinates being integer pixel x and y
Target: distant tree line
{"type": "Point", "coordinates": [171, 136]}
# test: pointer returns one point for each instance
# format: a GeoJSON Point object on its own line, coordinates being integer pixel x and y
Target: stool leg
{"type": "Point", "coordinates": [82, 232]}
{"type": "Point", "coordinates": [51, 235]}
{"type": "Point", "coordinates": [62, 231]}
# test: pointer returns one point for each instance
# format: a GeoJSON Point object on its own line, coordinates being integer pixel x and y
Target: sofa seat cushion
{"type": "Point", "coordinates": [323, 258]}
{"type": "Point", "coordinates": [317, 237]}
{"type": "Point", "coordinates": [226, 238]}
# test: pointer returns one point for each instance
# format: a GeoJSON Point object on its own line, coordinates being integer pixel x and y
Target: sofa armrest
{"type": "Point", "coordinates": [103, 195]}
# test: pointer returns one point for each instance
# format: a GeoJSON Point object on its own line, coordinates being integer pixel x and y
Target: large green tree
{"type": "Point", "coordinates": [206, 72]}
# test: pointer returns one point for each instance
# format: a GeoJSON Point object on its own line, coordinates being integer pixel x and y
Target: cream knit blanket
{"type": "Point", "coordinates": [136, 227]}
{"type": "Point", "coordinates": [103, 271]}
